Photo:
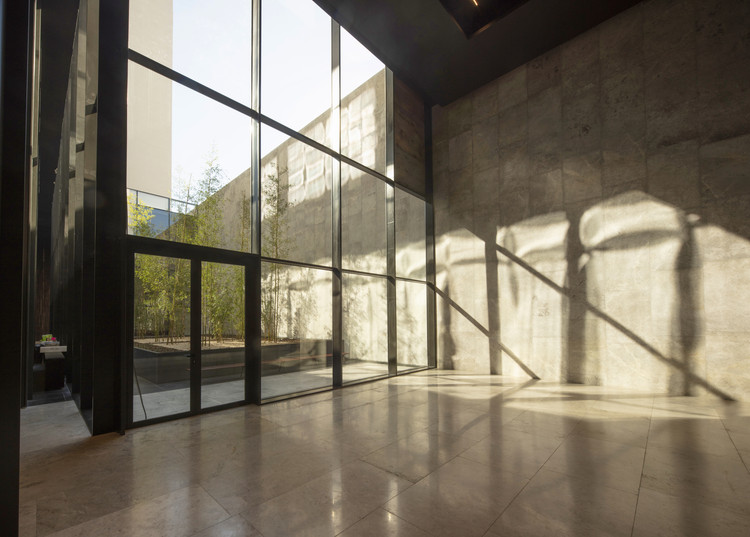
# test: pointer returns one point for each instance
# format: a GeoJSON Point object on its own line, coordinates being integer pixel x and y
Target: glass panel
{"type": "Point", "coordinates": [194, 152]}
{"type": "Point", "coordinates": [363, 104]}
{"type": "Point", "coordinates": [295, 82]}
{"type": "Point", "coordinates": [161, 338]}
{"type": "Point", "coordinates": [222, 334]}
{"type": "Point", "coordinates": [363, 229]}
{"type": "Point", "coordinates": [365, 319]}
{"type": "Point", "coordinates": [296, 329]}
{"type": "Point", "coordinates": [296, 202]}
{"type": "Point", "coordinates": [155, 202]}
{"type": "Point", "coordinates": [411, 318]}
{"type": "Point", "coordinates": [411, 243]}
{"type": "Point", "coordinates": [202, 40]}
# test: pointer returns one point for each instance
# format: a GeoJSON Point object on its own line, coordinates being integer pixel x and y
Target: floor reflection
{"type": "Point", "coordinates": [432, 453]}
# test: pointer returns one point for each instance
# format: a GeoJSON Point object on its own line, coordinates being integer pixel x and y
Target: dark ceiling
{"type": "Point", "coordinates": [425, 47]}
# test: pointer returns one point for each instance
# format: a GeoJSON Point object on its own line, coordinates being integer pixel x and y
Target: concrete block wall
{"type": "Point", "coordinates": [591, 208]}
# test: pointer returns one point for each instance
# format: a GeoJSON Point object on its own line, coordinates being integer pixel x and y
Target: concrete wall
{"type": "Point", "coordinates": [592, 208]}
{"type": "Point", "coordinates": [408, 132]}
{"type": "Point", "coordinates": [306, 176]}
{"type": "Point", "coordinates": [150, 100]}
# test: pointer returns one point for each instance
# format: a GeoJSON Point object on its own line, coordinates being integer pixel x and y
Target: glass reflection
{"type": "Point", "coordinates": [189, 162]}
{"type": "Point", "coordinates": [411, 241]}
{"type": "Point", "coordinates": [296, 333]}
{"type": "Point", "coordinates": [411, 319]}
{"type": "Point", "coordinates": [296, 202]}
{"type": "Point", "coordinates": [201, 40]}
{"type": "Point", "coordinates": [295, 80]}
{"type": "Point", "coordinates": [161, 338]}
{"type": "Point", "coordinates": [363, 104]}
{"type": "Point", "coordinates": [222, 334]}
{"type": "Point", "coordinates": [365, 327]}
{"type": "Point", "coordinates": [363, 221]}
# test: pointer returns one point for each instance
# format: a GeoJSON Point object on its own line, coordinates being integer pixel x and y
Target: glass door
{"type": "Point", "coordinates": [189, 344]}
{"type": "Point", "coordinates": [161, 359]}
{"type": "Point", "coordinates": [222, 348]}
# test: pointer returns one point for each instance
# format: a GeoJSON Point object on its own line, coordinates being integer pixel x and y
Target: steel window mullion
{"type": "Point", "coordinates": [337, 328]}
{"type": "Point", "coordinates": [390, 222]}
{"type": "Point", "coordinates": [278, 261]}
{"type": "Point", "coordinates": [195, 334]}
{"type": "Point", "coordinates": [354, 272]}
{"type": "Point", "coordinates": [331, 152]}
{"type": "Point", "coordinates": [430, 244]}
{"type": "Point", "coordinates": [255, 208]}
{"type": "Point", "coordinates": [253, 365]}
{"type": "Point", "coordinates": [174, 76]}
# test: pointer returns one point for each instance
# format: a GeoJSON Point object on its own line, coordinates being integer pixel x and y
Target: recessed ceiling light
{"type": "Point", "coordinates": [472, 18]}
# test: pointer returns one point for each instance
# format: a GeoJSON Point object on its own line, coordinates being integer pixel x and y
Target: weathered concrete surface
{"type": "Point", "coordinates": [592, 208]}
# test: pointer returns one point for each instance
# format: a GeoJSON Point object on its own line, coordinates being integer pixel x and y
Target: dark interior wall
{"type": "Point", "coordinates": [13, 99]}
{"type": "Point", "coordinates": [58, 21]}
{"type": "Point", "coordinates": [591, 207]}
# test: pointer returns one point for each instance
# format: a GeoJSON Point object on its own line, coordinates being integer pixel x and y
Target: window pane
{"type": "Point", "coordinates": [411, 244]}
{"type": "Point", "coordinates": [363, 229]}
{"type": "Point", "coordinates": [296, 68]}
{"type": "Point", "coordinates": [155, 202]}
{"type": "Point", "coordinates": [202, 40]}
{"type": "Point", "coordinates": [161, 339]}
{"type": "Point", "coordinates": [295, 202]}
{"type": "Point", "coordinates": [363, 104]}
{"type": "Point", "coordinates": [222, 334]}
{"type": "Point", "coordinates": [296, 329]}
{"type": "Point", "coordinates": [192, 151]}
{"type": "Point", "coordinates": [365, 320]}
{"type": "Point", "coordinates": [411, 315]}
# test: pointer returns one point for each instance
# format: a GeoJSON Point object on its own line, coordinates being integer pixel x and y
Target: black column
{"type": "Point", "coordinates": [108, 315]}
{"type": "Point", "coordinates": [14, 43]}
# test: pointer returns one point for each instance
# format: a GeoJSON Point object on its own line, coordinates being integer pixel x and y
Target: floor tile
{"type": "Point", "coordinates": [705, 435]}
{"type": "Point", "coordinates": [557, 426]}
{"type": "Point", "coordinates": [554, 504]}
{"type": "Point", "coordinates": [236, 526]}
{"type": "Point", "coordinates": [614, 427]}
{"type": "Point", "coordinates": [670, 516]}
{"type": "Point", "coordinates": [180, 513]}
{"type": "Point", "coordinates": [382, 523]}
{"type": "Point", "coordinates": [434, 453]}
{"type": "Point", "coordinates": [720, 481]}
{"type": "Point", "coordinates": [415, 456]}
{"type": "Point", "coordinates": [327, 505]}
{"type": "Point", "coordinates": [520, 452]}
{"type": "Point", "coordinates": [461, 498]}
{"type": "Point", "coordinates": [604, 463]}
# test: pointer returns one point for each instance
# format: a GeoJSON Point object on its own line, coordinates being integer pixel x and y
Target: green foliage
{"type": "Point", "coordinates": [162, 296]}
{"type": "Point", "coordinates": [275, 243]}
{"type": "Point", "coordinates": [163, 284]}
{"type": "Point", "coordinates": [139, 218]}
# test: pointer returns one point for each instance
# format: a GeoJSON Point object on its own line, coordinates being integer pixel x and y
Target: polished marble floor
{"type": "Point", "coordinates": [174, 399]}
{"type": "Point", "coordinates": [434, 453]}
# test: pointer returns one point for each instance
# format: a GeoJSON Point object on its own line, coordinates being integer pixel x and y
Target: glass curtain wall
{"type": "Point", "coordinates": [276, 143]}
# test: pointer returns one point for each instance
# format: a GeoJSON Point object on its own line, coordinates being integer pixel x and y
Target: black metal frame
{"type": "Point", "coordinates": [252, 261]}
{"type": "Point", "coordinates": [197, 255]}
{"type": "Point", "coordinates": [430, 242]}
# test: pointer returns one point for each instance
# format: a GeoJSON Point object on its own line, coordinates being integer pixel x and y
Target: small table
{"type": "Point", "coordinates": [54, 365]}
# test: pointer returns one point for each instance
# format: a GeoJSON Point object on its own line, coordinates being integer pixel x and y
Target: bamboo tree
{"type": "Point", "coordinates": [275, 244]}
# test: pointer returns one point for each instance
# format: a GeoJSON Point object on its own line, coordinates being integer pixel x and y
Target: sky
{"type": "Point", "coordinates": [211, 44]}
